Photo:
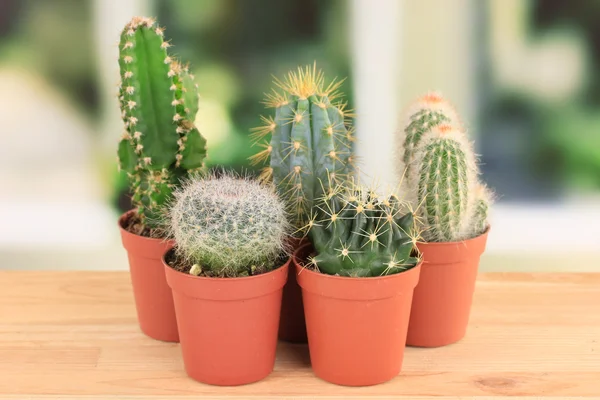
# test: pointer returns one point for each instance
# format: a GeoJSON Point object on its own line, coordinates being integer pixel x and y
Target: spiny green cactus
{"type": "Point", "coordinates": [158, 102]}
{"type": "Point", "coordinates": [359, 234]}
{"type": "Point", "coordinates": [428, 112]}
{"type": "Point", "coordinates": [443, 177]}
{"type": "Point", "coordinates": [483, 202]}
{"type": "Point", "coordinates": [311, 140]}
{"type": "Point", "coordinates": [228, 225]}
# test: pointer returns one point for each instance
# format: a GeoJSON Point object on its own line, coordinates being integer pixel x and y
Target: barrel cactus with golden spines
{"type": "Point", "coordinates": [357, 233]}
{"type": "Point", "coordinates": [308, 142]}
{"type": "Point", "coordinates": [159, 101]}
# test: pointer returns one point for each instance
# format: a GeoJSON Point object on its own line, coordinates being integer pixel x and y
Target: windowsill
{"type": "Point", "coordinates": [523, 237]}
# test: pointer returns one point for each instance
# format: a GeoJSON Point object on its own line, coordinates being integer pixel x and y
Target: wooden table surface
{"type": "Point", "coordinates": [75, 335]}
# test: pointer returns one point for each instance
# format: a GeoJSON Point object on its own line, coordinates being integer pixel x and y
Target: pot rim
{"type": "Point", "coordinates": [358, 289]}
{"type": "Point", "coordinates": [362, 278]}
{"type": "Point", "coordinates": [142, 246]}
{"type": "Point", "coordinates": [226, 289]}
{"type": "Point", "coordinates": [121, 220]}
{"type": "Point", "coordinates": [465, 241]}
{"type": "Point", "coordinates": [214, 278]}
{"type": "Point", "coordinates": [445, 253]}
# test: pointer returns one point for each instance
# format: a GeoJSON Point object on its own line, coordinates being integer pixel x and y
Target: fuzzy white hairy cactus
{"type": "Point", "coordinates": [426, 113]}
{"type": "Point", "coordinates": [229, 224]}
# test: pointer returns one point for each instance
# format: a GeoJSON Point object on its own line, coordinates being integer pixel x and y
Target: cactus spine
{"type": "Point", "coordinates": [228, 225]}
{"type": "Point", "coordinates": [359, 234]}
{"type": "Point", "coordinates": [158, 101]}
{"type": "Point", "coordinates": [310, 147]}
{"type": "Point", "coordinates": [442, 174]}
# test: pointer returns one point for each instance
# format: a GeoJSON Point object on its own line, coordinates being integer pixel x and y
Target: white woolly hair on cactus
{"type": "Point", "coordinates": [229, 223]}
{"type": "Point", "coordinates": [442, 181]}
{"type": "Point", "coordinates": [433, 100]}
{"type": "Point", "coordinates": [428, 111]}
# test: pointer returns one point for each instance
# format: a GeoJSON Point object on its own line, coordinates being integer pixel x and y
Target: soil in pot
{"type": "Point", "coordinates": [292, 326]}
{"type": "Point", "coordinates": [227, 326]}
{"type": "Point", "coordinates": [153, 298]}
{"type": "Point", "coordinates": [357, 326]}
{"type": "Point", "coordinates": [442, 299]}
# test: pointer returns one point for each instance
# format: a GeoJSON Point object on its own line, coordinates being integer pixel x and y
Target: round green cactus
{"type": "Point", "coordinates": [359, 234]}
{"type": "Point", "coordinates": [229, 225]}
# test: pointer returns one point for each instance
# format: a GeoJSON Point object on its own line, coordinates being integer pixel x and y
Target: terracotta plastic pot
{"type": "Point", "coordinates": [153, 298]}
{"type": "Point", "coordinates": [442, 300]}
{"type": "Point", "coordinates": [357, 326]}
{"type": "Point", "coordinates": [292, 327]}
{"type": "Point", "coordinates": [228, 326]}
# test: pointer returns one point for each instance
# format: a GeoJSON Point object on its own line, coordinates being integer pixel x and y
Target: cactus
{"type": "Point", "coordinates": [359, 234]}
{"type": "Point", "coordinates": [483, 202]}
{"type": "Point", "coordinates": [310, 147]}
{"type": "Point", "coordinates": [443, 178]}
{"type": "Point", "coordinates": [442, 173]}
{"type": "Point", "coordinates": [228, 225]}
{"type": "Point", "coordinates": [428, 112]}
{"type": "Point", "coordinates": [158, 102]}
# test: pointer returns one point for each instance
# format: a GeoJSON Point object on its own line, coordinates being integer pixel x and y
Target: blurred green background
{"type": "Point", "coordinates": [533, 101]}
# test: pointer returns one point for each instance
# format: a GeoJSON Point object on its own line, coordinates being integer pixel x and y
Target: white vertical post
{"type": "Point", "coordinates": [439, 53]}
{"type": "Point", "coordinates": [376, 50]}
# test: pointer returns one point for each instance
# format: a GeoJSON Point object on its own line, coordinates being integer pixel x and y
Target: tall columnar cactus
{"type": "Point", "coordinates": [428, 112]}
{"type": "Point", "coordinates": [358, 234]}
{"type": "Point", "coordinates": [229, 225]}
{"type": "Point", "coordinates": [310, 145]}
{"type": "Point", "coordinates": [158, 102]}
{"type": "Point", "coordinates": [443, 177]}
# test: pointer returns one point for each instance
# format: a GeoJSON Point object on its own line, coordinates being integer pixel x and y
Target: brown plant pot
{"type": "Point", "coordinates": [442, 299]}
{"type": "Point", "coordinates": [357, 326]}
{"type": "Point", "coordinates": [292, 326]}
{"type": "Point", "coordinates": [153, 298]}
{"type": "Point", "coordinates": [228, 326]}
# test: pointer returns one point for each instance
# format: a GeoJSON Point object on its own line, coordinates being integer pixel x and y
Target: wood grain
{"type": "Point", "coordinates": [75, 335]}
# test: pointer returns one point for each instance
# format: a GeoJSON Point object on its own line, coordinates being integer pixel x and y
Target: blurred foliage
{"type": "Point", "coordinates": [582, 16]}
{"type": "Point", "coordinates": [542, 148]}
{"type": "Point", "coordinates": [571, 142]}
{"type": "Point", "coordinates": [236, 46]}
{"type": "Point", "coordinates": [55, 39]}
